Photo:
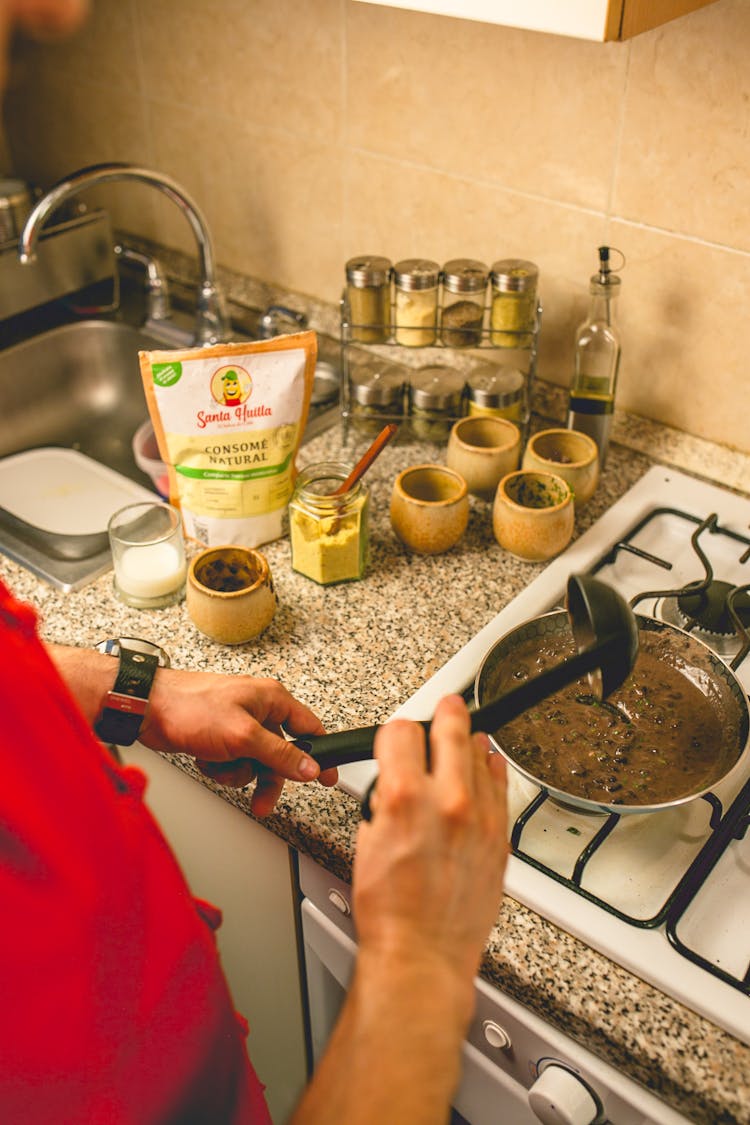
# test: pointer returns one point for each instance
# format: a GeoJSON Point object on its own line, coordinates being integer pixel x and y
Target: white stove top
{"type": "Point", "coordinates": [627, 884]}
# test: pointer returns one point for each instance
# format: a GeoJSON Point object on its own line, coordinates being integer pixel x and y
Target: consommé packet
{"type": "Point", "coordinates": [228, 420]}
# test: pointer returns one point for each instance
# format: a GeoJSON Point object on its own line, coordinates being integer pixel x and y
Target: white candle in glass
{"type": "Point", "coordinates": [151, 570]}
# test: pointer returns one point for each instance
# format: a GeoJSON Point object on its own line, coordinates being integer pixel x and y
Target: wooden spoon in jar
{"type": "Point", "coordinates": [367, 459]}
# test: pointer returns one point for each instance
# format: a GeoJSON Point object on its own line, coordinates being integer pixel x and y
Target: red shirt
{"type": "Point", "coordinates": [114, 1006]}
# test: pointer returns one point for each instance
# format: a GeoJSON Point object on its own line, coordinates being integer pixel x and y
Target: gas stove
{"type": "Point", "coordinates": [665, 894]}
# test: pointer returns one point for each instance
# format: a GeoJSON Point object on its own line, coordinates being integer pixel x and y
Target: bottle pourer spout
{"type": "Point", "coordinates": [604, 263]}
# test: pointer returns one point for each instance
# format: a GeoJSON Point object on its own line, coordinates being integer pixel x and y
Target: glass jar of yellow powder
{"type": "Point", "coordinates": [496, 389]}
{"type": "Point", "coordinates": [514, 304]}
{"type": "Point", "coordinates": [328, 530]}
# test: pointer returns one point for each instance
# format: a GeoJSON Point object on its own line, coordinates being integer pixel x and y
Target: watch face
{"type": "Point", "coordinates": [112, 645]}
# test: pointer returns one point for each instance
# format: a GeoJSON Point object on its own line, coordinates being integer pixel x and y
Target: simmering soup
{"type": "Point", "coordinates": [656, 739]}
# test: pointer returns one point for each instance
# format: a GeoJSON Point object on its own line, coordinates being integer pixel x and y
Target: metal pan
{"type": "Point", "coordinates": [678, 649]}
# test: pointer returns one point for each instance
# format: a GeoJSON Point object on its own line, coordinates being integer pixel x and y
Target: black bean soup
{"type": "Point", "coordinates": [654, 740]}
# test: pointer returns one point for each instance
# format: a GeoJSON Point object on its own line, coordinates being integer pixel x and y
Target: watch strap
{"type": "Point", "coordinates": [125, 705]}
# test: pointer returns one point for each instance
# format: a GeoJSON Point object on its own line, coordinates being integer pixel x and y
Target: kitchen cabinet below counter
{"type": "Point", "coordinates": [231, 861]}
{"type": "Point", "coordinates": [600, 20]}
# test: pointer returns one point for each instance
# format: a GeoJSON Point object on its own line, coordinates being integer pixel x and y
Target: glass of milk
{"type": "Point", "coordinates": [148, 554]}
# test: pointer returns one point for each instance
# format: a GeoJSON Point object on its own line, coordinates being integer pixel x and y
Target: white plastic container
{"type": "Point", "coordinates": [146, 453]}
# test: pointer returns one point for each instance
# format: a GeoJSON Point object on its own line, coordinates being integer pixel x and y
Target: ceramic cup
{"type": "Point", "coordinates": [483, 449]}
{"type": "Point", "coordinates": [429, 508]}
{"type": "Point", "coordinates": [230, 595]}
{"type": "Point", "coordinates": [533, 515]}
{"type": "Point", "coordinates": [569, 454]}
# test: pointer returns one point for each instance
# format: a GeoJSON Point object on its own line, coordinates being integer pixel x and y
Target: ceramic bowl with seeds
{"type": "Point", "coordinates": [230, 594]}
{"type": "Point", "coordinates": [533, 515]}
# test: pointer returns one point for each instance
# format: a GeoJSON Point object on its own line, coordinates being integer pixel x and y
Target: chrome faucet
{"type": "Point", "coordinates": [211, 323]}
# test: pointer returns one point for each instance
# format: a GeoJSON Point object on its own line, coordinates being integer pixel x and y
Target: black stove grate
{"type": "Point", "coordinates": [724, 825]}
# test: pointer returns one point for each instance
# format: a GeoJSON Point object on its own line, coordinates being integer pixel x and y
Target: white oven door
{"type": "Point", "coordinates": [486, 1094]}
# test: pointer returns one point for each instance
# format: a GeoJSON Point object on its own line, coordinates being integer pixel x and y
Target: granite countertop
{"type": "Point", "coordinates": [356, 652]}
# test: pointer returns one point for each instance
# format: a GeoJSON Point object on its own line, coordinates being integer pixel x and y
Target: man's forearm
{"type": "Point", "coordinates": [394, 1055]}
{"type": "Point", "coordinates": [89, 675]}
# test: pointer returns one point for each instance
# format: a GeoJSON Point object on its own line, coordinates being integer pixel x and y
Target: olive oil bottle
{"type": "Point", "coordinates": [597, 359]}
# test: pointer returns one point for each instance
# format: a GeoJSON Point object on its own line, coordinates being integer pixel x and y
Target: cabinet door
{"type": "Point", "coordinates": [231, 861]}
{"type": "Point", "coordinates": [582, 19]}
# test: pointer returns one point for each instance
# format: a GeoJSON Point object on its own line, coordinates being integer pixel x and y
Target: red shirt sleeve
{"type": "Point", "coordinates": [115, 1008]}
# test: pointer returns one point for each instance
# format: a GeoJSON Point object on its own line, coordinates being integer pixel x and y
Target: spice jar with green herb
{"type": "Point", "coordinates": [514, 303]}
{"type": "Point", "coordinates": [435, 401]}
{"type": "Point", "coordinates": [368, 295]}
{"type": "Point", "coordinates": [464, 292]}
{"type": "Point", "coordinates": [376, 390]}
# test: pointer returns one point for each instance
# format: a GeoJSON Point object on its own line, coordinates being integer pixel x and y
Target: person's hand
{"type": "Point", "coordinates": [429, 866]}
{"type": "Point", "coordinates": [232, 726]}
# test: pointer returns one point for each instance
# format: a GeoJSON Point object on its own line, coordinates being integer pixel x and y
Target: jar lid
{"type": "Point", "coordinates": [437, 388]}
{"type": "Point", "coordinates": [514, 275]}
{"type": "Point", "coordinates": [367, 269]}
{"type": "Point", "coordinates": [13, 193]}
{"type": "Point", "coordinates": [377, 383]}
{"type": "Point", "coordinates": [416, 273]}
{"type": "Point", "coordinates": [464, 275]}
{"type": "Point", "coordinates": [494, 386]}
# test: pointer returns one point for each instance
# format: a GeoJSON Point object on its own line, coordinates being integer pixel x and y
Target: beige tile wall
{"type": "Point", "coordinates": [312, 132]}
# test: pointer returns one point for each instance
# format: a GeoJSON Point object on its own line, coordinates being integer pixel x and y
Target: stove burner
{"type": "Point", "coordinates": [708, 611]}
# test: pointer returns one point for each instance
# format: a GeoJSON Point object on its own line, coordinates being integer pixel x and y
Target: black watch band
{"type": "Point", "coordinates": [125, 706]}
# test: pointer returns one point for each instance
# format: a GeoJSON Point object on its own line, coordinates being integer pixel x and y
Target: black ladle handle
{"type": "Point", "coordinates": [356, 745]}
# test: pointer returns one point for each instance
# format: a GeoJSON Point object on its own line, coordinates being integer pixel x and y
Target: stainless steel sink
{"type": "Point", "coordinates": [78, 386]}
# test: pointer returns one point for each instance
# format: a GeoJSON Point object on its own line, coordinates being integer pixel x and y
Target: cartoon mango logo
{"type": "Point", "coordinates": [231, 386]}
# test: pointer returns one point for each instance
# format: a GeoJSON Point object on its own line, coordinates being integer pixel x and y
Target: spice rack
{"type": "Point", "coordinates": [400, 390]}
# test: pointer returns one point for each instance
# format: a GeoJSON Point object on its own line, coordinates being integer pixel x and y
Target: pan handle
{"type": "Point", "coordinates": [339, 748]}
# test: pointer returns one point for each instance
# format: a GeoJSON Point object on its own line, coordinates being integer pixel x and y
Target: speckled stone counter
{"type": "Point", "coordinates": [354, 653]}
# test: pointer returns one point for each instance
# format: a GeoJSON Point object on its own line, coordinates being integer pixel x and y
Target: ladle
{"type": "Point", "coordinates": [606, 635]}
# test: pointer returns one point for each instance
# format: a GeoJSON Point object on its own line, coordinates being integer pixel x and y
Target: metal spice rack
{"type": "Point", "coordinates": [520, 353]}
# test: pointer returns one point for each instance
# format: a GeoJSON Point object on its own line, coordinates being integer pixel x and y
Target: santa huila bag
{"type": "Point", "coordinates": [228, 421]}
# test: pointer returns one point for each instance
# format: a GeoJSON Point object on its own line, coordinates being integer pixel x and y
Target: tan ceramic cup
{"type": "Point", "coordinates": [483, 449]}
{"type": "Point", "coordinates": [569, 454]}
{"type": "Point", "coordinates": [229, 594]}
{"type": "Point", "coordinates": [429, 508]}
{"type": "Point", "coordinates": [533, 515]}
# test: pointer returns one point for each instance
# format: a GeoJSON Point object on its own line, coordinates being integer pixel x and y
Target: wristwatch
{"type": "Point", "coordinates": [125, 705]}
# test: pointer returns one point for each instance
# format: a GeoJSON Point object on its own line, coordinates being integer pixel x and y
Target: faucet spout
{"type": "Point", "coordinates": [211, 321]}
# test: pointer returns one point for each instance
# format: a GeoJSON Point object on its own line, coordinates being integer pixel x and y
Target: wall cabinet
{"type": "Point", "coordinates": [584, 19]}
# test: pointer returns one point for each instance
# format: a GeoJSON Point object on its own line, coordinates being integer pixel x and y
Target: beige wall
{"type": "Point", "coordinates": [313, 131]}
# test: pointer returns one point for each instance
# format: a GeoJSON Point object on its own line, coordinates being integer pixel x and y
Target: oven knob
{"type": "Point", "coordinates": [337, 899]}
{"type": "Point", "coordinates": [496, 1035]}
{"type": "Point", "coordinates": [560, 1097]}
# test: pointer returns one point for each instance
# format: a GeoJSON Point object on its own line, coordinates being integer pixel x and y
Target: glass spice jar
{"type": "Point", "coordinates": [368, 295]}
{"type": "Point", "coordinates": [376, 392]}
{"type": "Point", "coordinates": [462, 305]}
{"type": "Point", "coordinates": [513, 309]}
{"type": "Point", "coordinates": [327, 532]}
{"type": "Point", "coordinates": [498, 390]}
{"type": "Point", "coordinates": [416, 302]}
{"type": "Point", "coordinates": [435, 401]}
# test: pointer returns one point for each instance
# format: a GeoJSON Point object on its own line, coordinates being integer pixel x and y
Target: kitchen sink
{"type": "Point", "coordinates": [79, 387]}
